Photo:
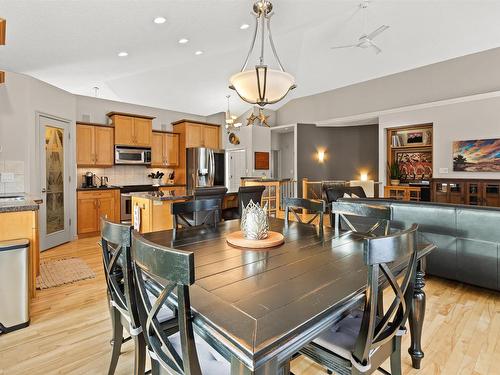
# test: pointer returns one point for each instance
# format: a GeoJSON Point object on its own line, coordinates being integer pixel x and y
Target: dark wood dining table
{"type": "Point", "coordinates": [259, 307]}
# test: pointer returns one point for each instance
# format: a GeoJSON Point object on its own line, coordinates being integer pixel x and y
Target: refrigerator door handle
{"type": "Point", "coordinates": [212, 168]}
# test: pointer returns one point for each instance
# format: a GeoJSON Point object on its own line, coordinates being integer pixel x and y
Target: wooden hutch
{"type": "Point", "coordinates": [411, 147]}
{"type": "Point", "coordinates": [474, 192]}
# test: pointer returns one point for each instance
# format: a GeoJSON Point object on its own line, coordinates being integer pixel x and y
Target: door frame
{"type": "Point", "coordinates": [68, 162]}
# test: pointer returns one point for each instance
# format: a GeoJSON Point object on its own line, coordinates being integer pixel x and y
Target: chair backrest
{"type": "Point", "coordinates": [210, 208]}
{"type": "Point", "coordinates": [249, 193]}
{"type": "Point", "coordinates": [332, 193]}
{"type": "Point", "coordinates": [214, 192]}
{"type": "Point", "coordinates": [174, 269]}
{"type": "Point", "coordinates": [116, 242]}
{"type": "Point", "coordinates": [314, 207]}
{"type": "Point", "coordinates": [378, 328]}
{"type": "Point", "coordinates": [344, 211]}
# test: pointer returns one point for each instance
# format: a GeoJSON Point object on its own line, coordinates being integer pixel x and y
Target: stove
{"type": "Point", "coordinates": [126, 199]}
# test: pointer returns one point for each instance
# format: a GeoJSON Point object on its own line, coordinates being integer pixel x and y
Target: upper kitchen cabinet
{"type": "Point", "coordinates": [164, 149]}
{"type": "Point", "coordinates": [94, 145]}
{"type": "Point", "coordinates": [132, 130]}
{"type": "Point", "coordinates": [198, 134]}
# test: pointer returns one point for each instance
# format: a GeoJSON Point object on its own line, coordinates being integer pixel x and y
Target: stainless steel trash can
{"type": "Point", "coordinates": [14, 288]}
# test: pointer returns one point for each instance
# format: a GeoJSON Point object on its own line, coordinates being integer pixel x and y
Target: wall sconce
{"type": "Point", "coordinates": [363, 176]}
{"type": "Point", "coordinates": [321, 156]}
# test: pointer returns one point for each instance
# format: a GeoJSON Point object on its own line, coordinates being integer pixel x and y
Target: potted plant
{"type": "Point", "coordinates": [394, 173]}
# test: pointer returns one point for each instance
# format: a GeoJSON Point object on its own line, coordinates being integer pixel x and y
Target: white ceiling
{"type": "Point", "coordinates": [73, 44]}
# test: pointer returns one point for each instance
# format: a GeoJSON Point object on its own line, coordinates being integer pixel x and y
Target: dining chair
{"type": "Point", "coordinates": [346, 212]}
{"type": "Point", "coordinates": [172, 345]}
{"type": "Point", "coordinates": [364, 339]}
{"type": "Point", "coordinates": [116, 241]}
{"type": "Point", "coordinates": [247, 194]}
{"type": "Point", "coordinates": [182, 211]}
{"type": "Point", "coordinates": [204, 193]}
{"type": "Point", "coordinates": [315, 207]}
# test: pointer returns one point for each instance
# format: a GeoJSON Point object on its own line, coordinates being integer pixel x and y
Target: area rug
{"type": "Point", "coordinates": [62, 271]}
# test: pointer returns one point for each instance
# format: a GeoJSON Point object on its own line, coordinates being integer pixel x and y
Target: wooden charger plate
{"type": "Point", "coordinates": [273, 239]}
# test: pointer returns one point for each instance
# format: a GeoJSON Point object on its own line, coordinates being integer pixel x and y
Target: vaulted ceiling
{"type": "Point", "coordinates": [74, 44]}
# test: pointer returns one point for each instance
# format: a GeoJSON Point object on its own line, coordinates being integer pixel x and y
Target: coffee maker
{"type": "Point", "coordinates": [88, 180]}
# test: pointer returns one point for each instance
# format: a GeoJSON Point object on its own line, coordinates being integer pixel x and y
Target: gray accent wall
{"type": "Point", "coordinates": [463, 76]}
{"type": "Point", "coordinates": [349, 150]}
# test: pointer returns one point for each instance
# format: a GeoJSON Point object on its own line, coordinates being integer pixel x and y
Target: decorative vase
{"type": "Point", "coordinates": [394, 182]}
{"type": "Point", "coordinates": [254, 221]}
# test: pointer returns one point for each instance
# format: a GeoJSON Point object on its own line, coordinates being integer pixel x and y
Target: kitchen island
{"type": "Point", "coordinates": [19, 219]}
{"type": "Point", "coordinates": [154, 208]}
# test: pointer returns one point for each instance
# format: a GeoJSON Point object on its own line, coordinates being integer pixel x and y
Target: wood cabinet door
{"type": "Point", "coordinates": [124, 130]}
{"type": "Point", "coordinates": [87, 216]}
{"type": "Point", "coordinates": [158, 150]}
{"type": "Point", "coordinates": [194, 135]}
{"type": "Point", "coordinates": [106, 207]}
{"type": "Point", "coordinates": [172, 149]}
{"type": "Point", "coordinates": [85, 145]}
{"type": "Point", "coordinates": [104, 144]}
{"type": "Point", "coordinates": [491, 194]}
{"type": "Point", "coordinates": [143, 129]}
{"type": "Point", "coordinates": [211, 136]}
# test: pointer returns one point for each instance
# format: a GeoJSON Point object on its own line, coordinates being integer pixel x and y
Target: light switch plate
{"type": "Point", "coordinates": [443, 170]}
{"type": "Point", "coordinates": [6, 177]}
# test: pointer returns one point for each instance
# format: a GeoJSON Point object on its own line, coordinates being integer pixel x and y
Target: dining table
{"type": "Point", "coordinates": [258, 308]}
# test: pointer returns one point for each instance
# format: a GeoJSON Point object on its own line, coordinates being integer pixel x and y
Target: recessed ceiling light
{"type": "Point", "coordinates": [183, 41]}
{"type": "Point", "coordinates": [122, 54]}
{"type": "Point", "coordinates": [160, 20]}
{"type": "Point", "coordinates": [244, 26]}
{"type": "Point", "coordinates": [197, 53]}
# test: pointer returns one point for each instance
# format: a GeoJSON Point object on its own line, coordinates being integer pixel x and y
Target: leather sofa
{"type": "Point", "coordinates": [467, 238]}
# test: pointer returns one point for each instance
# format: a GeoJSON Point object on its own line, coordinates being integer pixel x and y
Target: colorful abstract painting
{"type": "Point", "coordinates": [476, 155]}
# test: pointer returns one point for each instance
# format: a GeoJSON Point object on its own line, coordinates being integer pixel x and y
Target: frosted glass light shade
{"type": "Point", "coordinates": [277, 84]}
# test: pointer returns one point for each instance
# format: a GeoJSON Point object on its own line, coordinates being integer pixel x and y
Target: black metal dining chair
{"type": "Point", "coordinates": [370, 217]}
{"type": "Point", "coordinates": [363, 340]}
{"type": "Point", "coordinates": [247, 194]}
{"type": "Point", "coordinates": [315, 207]}
{"type": "Point", "coordinates": [172, 345]}
{"type": "Point", "coordinates": [205, 193]}
{"type": "Point", "coordinates": [183, 211]}
{"type": "Point", "coordinates": [116, 241]}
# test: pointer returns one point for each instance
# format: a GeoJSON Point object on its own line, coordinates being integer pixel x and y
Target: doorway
{"type": "Point", "coordinates": [54, 218]}
{"type": "Point", "coordinates": [237, 161]}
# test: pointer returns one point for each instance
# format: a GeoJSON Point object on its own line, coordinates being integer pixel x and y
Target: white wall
{"type": "Point", "coordinates": [478, 119]}
{"type": "Point", "coordinates": [97, 108]}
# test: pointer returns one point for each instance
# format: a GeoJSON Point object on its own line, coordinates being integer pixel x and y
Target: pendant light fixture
{"type": "Point", "coordinates": [262, 85]}
{"type": "Point", "coordinates": [230, 124]}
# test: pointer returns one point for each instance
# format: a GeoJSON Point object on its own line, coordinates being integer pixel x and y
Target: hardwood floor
{"type": "Point", "coordinates": [70, 329]}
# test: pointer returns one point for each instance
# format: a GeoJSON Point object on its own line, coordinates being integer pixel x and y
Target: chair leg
{"type": "Point", "coordinates": [396, 357]}
{"type": "Point", "coordinates": [140, 355]}
{"type": "Point", "coordinates": [117, 340]}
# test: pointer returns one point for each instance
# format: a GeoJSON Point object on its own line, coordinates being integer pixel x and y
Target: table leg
{"type": "Point", "coordinates": [417, 314]}
{"type": "Point", "coordinates": [270, 368]}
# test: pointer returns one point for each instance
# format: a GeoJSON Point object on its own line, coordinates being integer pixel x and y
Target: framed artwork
{"type": "Point", "coordinates": [414, 165]}
{"type": "Point", "coordinates": [480, 155]}
{"type": "Point", "coordinates": [261, 160]}
{"type": "Point", "coordinates": [415, 137]}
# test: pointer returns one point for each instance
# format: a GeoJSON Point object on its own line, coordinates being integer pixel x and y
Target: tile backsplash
{"type": "Point", "coordinates": [16, 167]}
{"type": "Point", "coordinates": [123, 174]}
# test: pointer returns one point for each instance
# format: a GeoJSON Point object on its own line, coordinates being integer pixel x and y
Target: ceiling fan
{"type": "Point", "coordinates": [366, 40]}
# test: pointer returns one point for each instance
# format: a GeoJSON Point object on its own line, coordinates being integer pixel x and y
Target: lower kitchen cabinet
{"type": "Point", "coordinates": [92, 205]}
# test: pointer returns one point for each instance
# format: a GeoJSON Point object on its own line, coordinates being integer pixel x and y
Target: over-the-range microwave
{"type": "Point", "coordinates": [132, 155]}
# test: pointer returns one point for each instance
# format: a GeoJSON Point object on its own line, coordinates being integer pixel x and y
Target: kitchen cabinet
{"type": "Point", "coordinates": [132, 130]}
{"type": "Point", "coordinates": [94, 145]}
{"type": "Point", "coordinates": [193, 134]}
{"type": "Point", "coordinates": [164, 149]}
{"type": "Point", "coordinates": [93, 204]}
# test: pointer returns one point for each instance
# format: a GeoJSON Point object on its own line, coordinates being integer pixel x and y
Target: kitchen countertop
{"type": "Point", "coordinates": [98, 188]}
{"type": "Point", "coordinates": [167, 196]}
{"type": "Point", "coordinates": [27, 203]}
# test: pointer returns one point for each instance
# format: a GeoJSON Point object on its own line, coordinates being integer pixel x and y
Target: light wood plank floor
{"type": "Point", "coordinates": [70, 329]}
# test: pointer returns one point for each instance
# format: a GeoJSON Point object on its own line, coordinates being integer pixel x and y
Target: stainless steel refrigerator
{"type": "Point", "coordinates": [205, 167]}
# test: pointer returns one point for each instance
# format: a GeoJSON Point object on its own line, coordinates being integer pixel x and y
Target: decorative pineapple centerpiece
{"type": "Point", "coordinates": [254, 221]}
{"type": "Point", "coordinates": [254, 233]}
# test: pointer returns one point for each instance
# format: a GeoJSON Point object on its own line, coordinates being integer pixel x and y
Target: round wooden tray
{"type": "Point", "coordinates": [273, 239]}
